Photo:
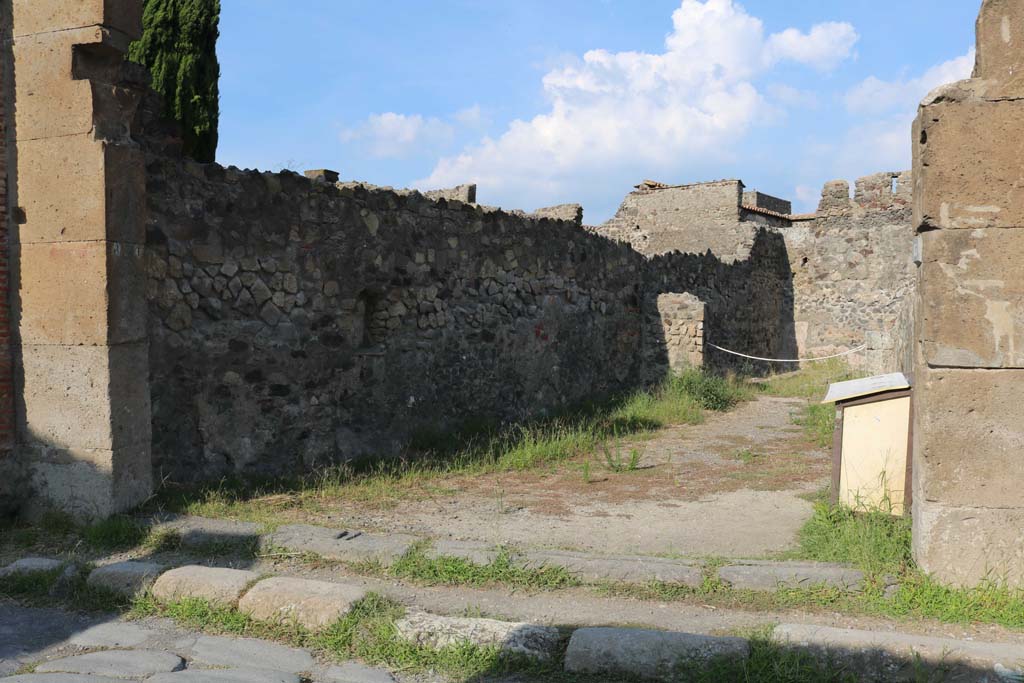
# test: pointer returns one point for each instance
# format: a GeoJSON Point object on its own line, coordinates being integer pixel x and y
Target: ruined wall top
{"type": "Point", "coordinates": [45, 16]}
{"type": "Point", "coordinates": [877, 192]}
{"type": "Point", "coordinates": [1000, 55]}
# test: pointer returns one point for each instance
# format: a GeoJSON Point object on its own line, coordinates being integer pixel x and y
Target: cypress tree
{"type": "Point", "coordinates": [179, 46]}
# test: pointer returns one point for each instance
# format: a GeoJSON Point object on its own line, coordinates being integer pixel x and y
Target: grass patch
{"type": "Point", "coordinates": [480, 449]}
{"type": "Point", "coordinates": [811, 382]}
{"type": "Point", "coordinates": [876, 542]}
{"type": "Point", "coordinates": [454, 571]}
{"type": "Point", "coordinates": [116, 533]}
{"type": "Point", "coordinates": [819, 423]}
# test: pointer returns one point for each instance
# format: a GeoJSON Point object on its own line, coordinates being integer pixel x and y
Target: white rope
{"type": "Point", "coordinates": [794, 360]}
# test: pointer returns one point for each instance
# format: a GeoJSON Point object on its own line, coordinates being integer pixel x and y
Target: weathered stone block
{"type": "Point", "coordinates": [86, 397]}
{"type": "Point", "coordinates": [88, 483]}
{"type": "Point", "coordinates": [116, 663]}
{"type": "Point", "coordinates": [81, 293]}
{"type": "Point", "coordinates": [962, 149]}
{"type": "Point", "coordinates": [213, 584]}
{"type": "Point", "coordinates": [108, 201]}
{"type": "Point", "coordinates": [31, 565]}
{"type": "Point", "coordinates": [50, 103]}
{"type": "Point", "coordinates": [648, 654]}
{"type": "Point", "coordinates": [771, 576]}
{"type": "Point", "coordinates": [429, 630]}
{"type": "Point", "coordinates": [972, 298]}
{"type": "Point", "coordinates": [346, 546]}
{"type": "Point", "coordinates": [1000, 40]}
{"type": "Point", "coordinates": [40, 16]}
{"type": "Point", "coordinates": [125, 578]}
{"type": "Point", "coordinates": [353, 672]}
{"type": "Point", "coordinates": [964, 546]}
{"type": "Point", "coordinates": [884, 655]}
{"type": "Point", "coordinates": [587, 567]}
{"type": "Point", "coordinates": [313, 604]}
{"type": "Point", "coordinates": [970, 437]}
{"type": "Point", "coordinates": [220, 651]}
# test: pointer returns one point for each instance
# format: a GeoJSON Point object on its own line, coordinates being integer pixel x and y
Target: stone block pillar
{"type": "Point", "coordinates": [969, 364]}
{"type": "Point", "coordinates": [78, 193]}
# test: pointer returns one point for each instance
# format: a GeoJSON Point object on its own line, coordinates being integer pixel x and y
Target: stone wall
{"type": "Point", "coordinates": [853, 271]}
{"type": "Point", "coordinates": [293, 324]}
{"type": "Point", "coordinates": [680, 321]}
{"type": "Point", "coordinates": [846, 276]}
{"type": "Point", "coordinates": [658, 219]}
{"type": "Point", "coordinates": [969, 213]}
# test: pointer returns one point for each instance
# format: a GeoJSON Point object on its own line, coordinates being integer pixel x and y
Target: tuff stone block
{"type": "Point", "coordinates": [125, 578]}
{"type": "Point", "coordinates": [86, 397]}
{"type": "Point", "coordinates": [77, 188]}
{"type": "Point", "coordinates": [87, 293]}
{"type": "Point", "coordinates": [213, 584]}
{"type": "Point", "coordinates": [313, 604]}
{"type": "Point", "coordinates": [964, 149]}
{"type": "Point", "coordinates": [88, 483]}
{"type": "Point", "coordinates": [41, 16]}
{"type": "Point", "coordinates": [50, 102]}
{"type": "Point", "coordinates": [964, 546]}
{"type": "Point", "coordinates": [970, 437]}
{"type": "Point", "coordinates": [973, 298]}
{"type": "Point", "coordinates": [1000, 56]}
{"type": "Point", "coordinates": [649, 654]}
{"type": "Point", "coordinates": [528, 640]}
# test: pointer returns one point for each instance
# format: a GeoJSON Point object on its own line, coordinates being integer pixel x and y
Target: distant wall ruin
{"type": "Point", "coordinates": [848, 271]}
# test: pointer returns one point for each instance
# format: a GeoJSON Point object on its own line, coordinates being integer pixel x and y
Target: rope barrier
{"type": "Point", "coordinates": [794, 360]}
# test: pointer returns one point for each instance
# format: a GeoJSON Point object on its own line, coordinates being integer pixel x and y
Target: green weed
{"type": "Point", "coordinates": [453, 571]}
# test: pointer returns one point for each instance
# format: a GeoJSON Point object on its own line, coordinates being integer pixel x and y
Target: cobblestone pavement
{"type": "Point", "coordinates": [53, 646]}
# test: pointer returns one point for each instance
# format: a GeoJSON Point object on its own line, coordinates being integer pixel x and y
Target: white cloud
{"type": "Point", "coordinates": [793, 97]}
{"type": "Point", "coordinates": [470, 117]}
{"type": "Point", "coordinates": [392, 136]}
{"type": "Point", "coordinates": [807, 195]}
{"type": "Point", "coordinates": [824, 48]}
{"type": "Point", "coordinates": [613, 111]}
{"type": "Point", "coordinates": [881, 140]}
{"type": "Point", "coordinates": [874, 95]}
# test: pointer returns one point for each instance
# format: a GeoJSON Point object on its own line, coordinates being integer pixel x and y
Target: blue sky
{"type": "Point", "coordinates": [556, 101]}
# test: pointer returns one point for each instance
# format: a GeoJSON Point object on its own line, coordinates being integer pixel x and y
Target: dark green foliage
{"type": "Point", "coordinates": [179, 46]}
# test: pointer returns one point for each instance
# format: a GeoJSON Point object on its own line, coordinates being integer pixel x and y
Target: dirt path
{"type": "Point", "coordinates": [735, 486]}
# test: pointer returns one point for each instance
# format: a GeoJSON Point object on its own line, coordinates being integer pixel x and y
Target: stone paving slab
{"type": "Point", "coordinates": [60, 678]}
{"type": "Point", "coordinates": [628, 569]}
{"type": "Point", "coordinates": [226, 676]}
{"type": "Point", "coordinates": [352, 672]}
{"type": "Point", "coordinates": [116, 664]}
{"type": "Point", "coordinates": [438, 632]}
{"type": "Point", "coordinates": [892, 654]}
{"type": "Point", "coordinates": [647, 654]}
{"type": "Point", "coordinates": [345, 546]}
{"type": "Point", "coordinates": [215, 584]}
{"type": "Point", "coordinates": [313, 604]}
{"type": "Point", "coordinates": [114, 634]}
{"type": "Point", "coordinates": [249, 653]}
{"type": "Point", "coordinates": [31, 565]}
{"type": "Point", "coordinates": [125, 578]}
{"type": "Point", "coordinates": [210, 533]}
{"type": "Point", "coordinates": [770, 576]}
